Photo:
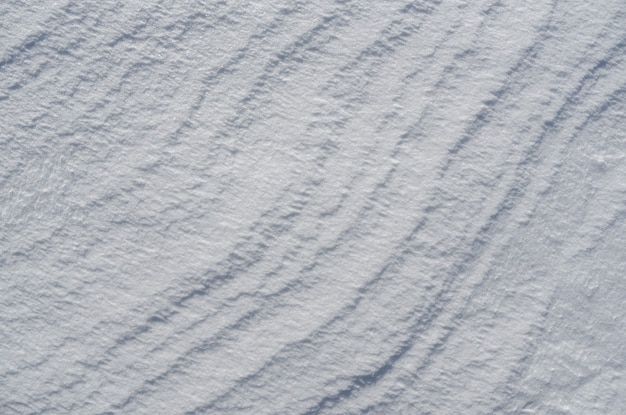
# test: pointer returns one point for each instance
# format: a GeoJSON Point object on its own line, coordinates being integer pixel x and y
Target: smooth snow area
{"type": "Point", "coordinates": [313, 207]}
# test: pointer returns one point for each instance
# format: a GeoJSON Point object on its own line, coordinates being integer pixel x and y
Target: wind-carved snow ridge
{"type": "Point", "coordinates": [312, 207]}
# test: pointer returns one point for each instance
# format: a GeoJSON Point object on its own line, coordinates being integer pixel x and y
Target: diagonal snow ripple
{"type": "Point", "coordinates": [312, 207]}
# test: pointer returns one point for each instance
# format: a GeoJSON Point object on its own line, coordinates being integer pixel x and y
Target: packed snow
{"type": "Point", "coordinates": [313, 207]}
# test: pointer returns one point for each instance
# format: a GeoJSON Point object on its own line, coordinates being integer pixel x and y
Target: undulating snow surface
{"type": "Point", "coordinates": [312, 207]}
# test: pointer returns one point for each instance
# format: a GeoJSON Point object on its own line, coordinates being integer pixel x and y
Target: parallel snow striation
{"type": "Point", "coordinates": [312, 208]}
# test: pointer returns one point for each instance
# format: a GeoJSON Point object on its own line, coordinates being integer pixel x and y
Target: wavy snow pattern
{"type": "Point", "coordinates": [312, 207]}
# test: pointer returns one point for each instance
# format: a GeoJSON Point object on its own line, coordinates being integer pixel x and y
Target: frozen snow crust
{"type": "Point", "coordinates": [312, 207]}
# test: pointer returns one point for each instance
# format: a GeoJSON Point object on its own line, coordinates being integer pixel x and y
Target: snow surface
{"type": "Point", "coordinates": [312, 207]}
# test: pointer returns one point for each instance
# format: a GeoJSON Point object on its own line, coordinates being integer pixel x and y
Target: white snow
{"type": "Point", "coordinates": [328, 207]}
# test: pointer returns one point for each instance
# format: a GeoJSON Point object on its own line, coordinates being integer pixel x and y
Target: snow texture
{"type": "Point", "coordinates": [312, 207]}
